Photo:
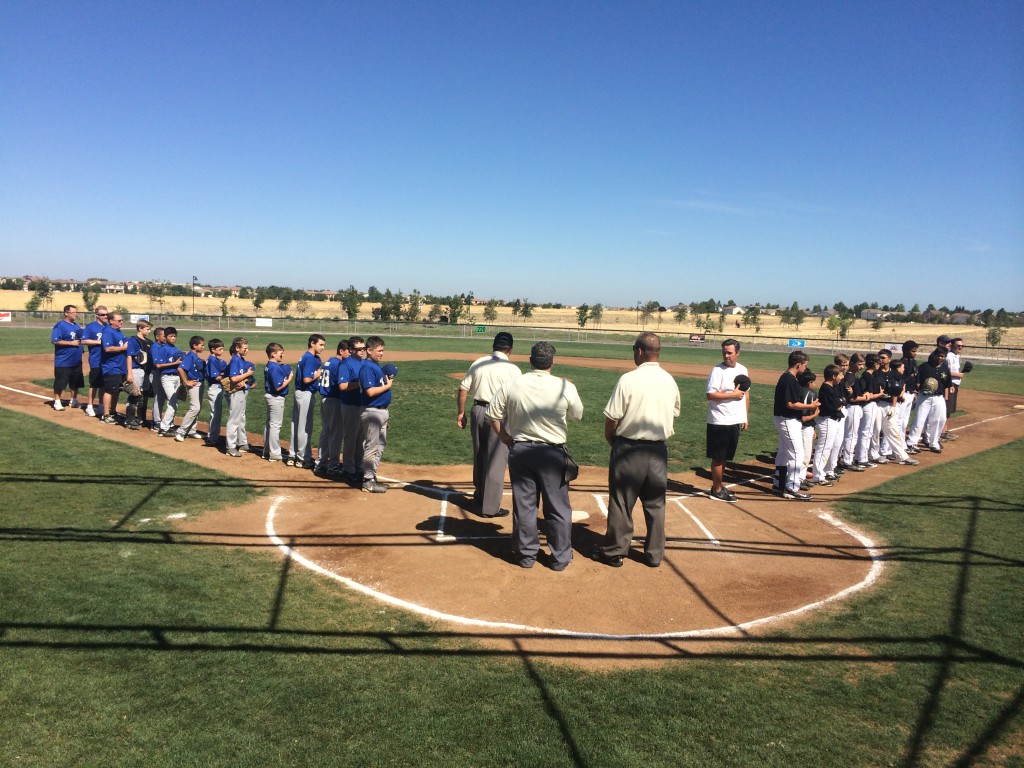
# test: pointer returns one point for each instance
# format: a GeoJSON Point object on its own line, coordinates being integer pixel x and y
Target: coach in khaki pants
{"type": "Point", "coordinates": [639, 418]}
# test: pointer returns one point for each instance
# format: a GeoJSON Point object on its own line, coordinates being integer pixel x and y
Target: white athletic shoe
{"type": "Point", "coordinates": [89, 410]}
{"type": "Point", "coordinates": [57, 405]}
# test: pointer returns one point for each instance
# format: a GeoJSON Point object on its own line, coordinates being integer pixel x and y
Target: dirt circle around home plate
{"type": "Point", "coordinates": [730, 570]}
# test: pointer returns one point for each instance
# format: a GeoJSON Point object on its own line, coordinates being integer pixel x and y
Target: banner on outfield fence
{"type": "Point", "coordinates": [5, 317]}
{"type": "Point", "coordinates": [697, 337]}
{"type": "Point", "coordinates": [797, 343]}
{"type": "Point", "coordinates": [264, 322]}
{"type": "Point", "coordinates": [135, 318]}
{"type": "Point", "coordinates": [481, 329]}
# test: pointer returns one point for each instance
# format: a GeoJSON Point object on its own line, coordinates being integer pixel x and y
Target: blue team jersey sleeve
{"type": "Point", "coordinates": [369, 375]}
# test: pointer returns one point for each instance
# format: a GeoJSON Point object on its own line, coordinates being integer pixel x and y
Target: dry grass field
{"type": "Point", "coordinates": [622, 319]}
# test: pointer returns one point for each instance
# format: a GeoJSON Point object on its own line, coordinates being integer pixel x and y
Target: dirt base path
{"type": "Point", "coordinates": [729, 569]}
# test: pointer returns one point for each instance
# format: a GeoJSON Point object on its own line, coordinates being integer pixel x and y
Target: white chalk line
{"type": "Point", "coordinates": [23, 392]}
{"type": "Point", "coordinates": [710, 536]}
{"type": "Point", "coordinates": [868, 580]}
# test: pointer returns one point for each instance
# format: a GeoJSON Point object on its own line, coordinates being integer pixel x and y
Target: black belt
{"type": "Point", "coordinates": [481, 403]}
{"type": "Point", "coordinates": [636, 440]}
{"type": "Point", "coordinates": [538, 442]}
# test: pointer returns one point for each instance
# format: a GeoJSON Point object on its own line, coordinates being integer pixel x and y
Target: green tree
{"type": "Point", "coordinates": [455, 305]}
{"type": "Point", "coordinates": [435, 312]}
{"type": "Point", "coordinates": [491, 311]}
{"type": "Point", "coordinates": [751, 316]}
{"type": "Point", "coordinates": [90, 296]}
{"type": "Point", "coordinates": [582, 315]}
{"type": "Point", "coordinates": [414, 307]}
{"type": "Point", "coordinates": [283, 304]}
{"type": "Point", "coordinates": [527, 309]}
{"type": "Point", "coordinates": [258, 298]}
{"type": "Point", "coordinates": [156, 293]}
{"type": "Point", "coordinates": [33, 303]}
{"type": "Point", "coordinates": [351, 300]}
{"type": "Point", "coordinates": [224, 307]}
{"type": "Point", "coordinates": [994, 336]}
{"type": "Point", "coordinates": [517, 307]}
{"type": "Point", "coordinates": [374, 295]}
{"type": "Point", "coordinates": [597, 314]}
{"type": "Point", "coordinates": [681, 313]}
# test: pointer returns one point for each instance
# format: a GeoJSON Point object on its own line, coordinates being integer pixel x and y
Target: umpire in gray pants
{"type": "Point", "coordinates": [639, 418]}
{"type": "Point", "coordinates": [490, 456]}
{"type": "Point", "coordinates": [529, 414]}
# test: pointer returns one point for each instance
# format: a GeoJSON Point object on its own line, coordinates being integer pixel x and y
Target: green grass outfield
{"type": "Point", "coordinates": [125, 643]}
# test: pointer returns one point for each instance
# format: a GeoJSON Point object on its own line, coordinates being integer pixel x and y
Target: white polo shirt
{"type": "Point", "coordinates": [645, 402]}
{"type": "Point", "coordinates": [535, 407]}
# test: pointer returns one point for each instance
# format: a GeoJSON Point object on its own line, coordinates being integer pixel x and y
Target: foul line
{"type": "Point", "coordinates": [710, 536]}
{"type": "Point", "coordinates": [23, 392]}
{"type": "Point", "coordinates": [868, 580]}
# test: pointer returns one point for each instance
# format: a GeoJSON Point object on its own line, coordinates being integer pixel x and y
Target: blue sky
{"type": "Point", "coordinates": [557, 151]}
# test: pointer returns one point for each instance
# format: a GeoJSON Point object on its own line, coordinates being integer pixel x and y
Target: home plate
{"type": "Point", "coordinates": [579, 514]}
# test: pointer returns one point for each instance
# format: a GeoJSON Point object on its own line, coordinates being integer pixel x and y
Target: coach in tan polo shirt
{"type": "Point", "coordinates": [529, 413]}
{"type": "Point", "coordinates": [639, 419]}
{"type": "Point", "coordinates": [490, 455]}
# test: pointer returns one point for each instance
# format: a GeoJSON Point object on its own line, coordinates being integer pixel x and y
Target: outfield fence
{"type": "Point", "coordinates": [525, 334]}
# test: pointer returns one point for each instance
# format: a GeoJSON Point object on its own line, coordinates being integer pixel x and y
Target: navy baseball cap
{"type": "Point", "coordinates": [503, 340]}
{"type": "Point", "coordinates": [742, 382]}
{"type": "Point", "coordinates": [389, 369]}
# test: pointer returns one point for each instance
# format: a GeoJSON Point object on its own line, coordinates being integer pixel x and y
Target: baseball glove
{"type": "Point", "coordinates": [131, 388]}
{"type": "Point", "coordinates": [967, 367]}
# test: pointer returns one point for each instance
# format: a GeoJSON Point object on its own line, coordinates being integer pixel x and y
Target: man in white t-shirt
{"type": "Point", "coordinates": [727, 414]}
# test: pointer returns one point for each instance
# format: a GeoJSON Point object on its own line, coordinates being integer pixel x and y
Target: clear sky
{"type": "Point", "coordinates": [557, 151]}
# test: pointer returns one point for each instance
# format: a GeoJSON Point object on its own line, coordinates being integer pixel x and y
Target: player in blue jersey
{"type": "Point", "coordinates": [114, 364]}
{"type": "Point", "coordinates": [216, 371]}
{"type": "Point", "coordinates": [191, 372]}
{"type": "Point", "coordinates": [138, 354]}
{"type": "Point", "coordinates": [277, 376]}
{"type": "Point", "coordinates": [376, 388]}
{"type": "Point", "coordinates": [241, 374]}
{"type": "Point", "coordinates": [307, 377]}
{"type": "Point", "coordinates": [92, 338]}
{"type": "Point", "coordinates": [352, 413]}
{"type": "Point", "coordinates": [333, 376]}
{"type": "Point", "coordinates": [166, 362]}
{"type": "Point", "coordinates": [67, 357]}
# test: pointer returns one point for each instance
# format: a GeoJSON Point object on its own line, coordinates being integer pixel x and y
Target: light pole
{"type": "Point", "coordinates": [194, 278]}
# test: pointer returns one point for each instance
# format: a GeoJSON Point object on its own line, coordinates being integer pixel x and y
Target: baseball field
{"type": "Point", "coordinates": [163, 604]}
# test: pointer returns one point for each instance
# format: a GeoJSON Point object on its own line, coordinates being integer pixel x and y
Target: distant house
{"type": "Point", "coordinates": [961, 318]}
{"type": "Point", "coordinates": [873, 314]}
{"type": "Point", "coordinates": [732, 310]}
{"type": "Point", "coordinates": [933, 316]}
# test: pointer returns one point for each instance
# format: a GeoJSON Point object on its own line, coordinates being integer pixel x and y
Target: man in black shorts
{"type": "Point", "coordinates": [728, 396]}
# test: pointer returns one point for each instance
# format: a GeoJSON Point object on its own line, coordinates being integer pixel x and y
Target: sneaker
{"type": "Point", "coordinates": [167, 433]}
{"type": "Point", "coordinates": [832, 476]}
{"type": "Point", "coordinates": [934, 450]}
{"type": "Point", "coordinates": [273, 459]}
{"type": "Point", "coordinates": [289, 462]}
{"type": "Point", "coordinates": [948, 436]}
{"type": "Point", "coordinates": [912, 449]}
{"type": "Point", "coordinates": [319, 471]}
{"type": "Point", "coordinates": [194, 436]}
{"type": "Point", "coordinates": [723, 495]}
{"type": "Point", "coordinates": [796, 496]}
{"type": "Point", "coordinates": [57, 405]}
{"type": "Point", "coordinates": [374, 487]}
{"type": "Point", "coordinates": [90, 411]}
{"type": "Point", "coordinates": [805, 485]}
{"type": "Point", "coordinates": [882, 460]}
{"type": "Point", "coordinates": [179, 438]}
{"type": "Point", "coordinates": [866, 464]}
{"type": "Point", "coordinates": [910, 462]}
{"type": "Point", "coordinates": [307, 464]}
{"type": "Point", "coordinates": [823, 483]}
{"type": "Point", "coordinates": [856, 468]}
{"type": "Point", "coordinates": [234, 454]}
{"type": "Point", "coordinates": [108, 420]}
{"type": "Point", "coordinates": [74, 404]}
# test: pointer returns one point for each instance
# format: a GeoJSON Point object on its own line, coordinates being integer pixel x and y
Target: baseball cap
{"type": "Point", "coordinates": [503, 340]}
{"type": "Point", "coordinates": [389, 369]}
{"type": "Point", "coordinates": [944, 339]}
{"type": "Point", "coordinates": [742, 382]}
